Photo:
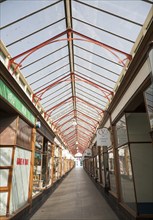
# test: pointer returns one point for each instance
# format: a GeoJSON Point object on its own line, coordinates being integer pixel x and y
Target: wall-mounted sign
{"type": "Point", "coordinates": [7, 94]}
{"type": "Point", "coordinates": [103, 137]}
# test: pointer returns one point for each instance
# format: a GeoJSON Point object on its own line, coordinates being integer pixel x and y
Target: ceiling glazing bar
{"type": "Point", "coordinates": [50, 101]}
{"type": "Point", "coordinates": [55, 102]}
{"type": "Point", "coordinates": [87, 116]}
{"type": "Point", "coordinates": [52, 98]}
{"type": "Point", "coordinates": [90, 95]}
{"type": "Point", "coordinates": [95, 73]}
{"type": "Point", "coordinates": [99, 104]}
{"type": "Point", "coordinates": [91, 91]}
{"type": "Point", "coordinates": [106, 92]}
{"type": "Point", "coordinates": [67, 114]}
{"type": "Point", "coordinates": [90, 110]}
{"type": "Point", "coordinates": [114, 15]}
{"type": "Point", "coordinates": [104, 58]}
{"type": "Point", "coordinates": [66, 129]}
{"type": "Point", "coordinates": [33, 33]}
{"type": "Point", "coordinates": [116, 35]}
{"type": "Point", "coordinates": [97, 65]}
{"type": "Point", "coordinates": [93, 80]}
{"type": "Point", "coordinates": [48, 66]}
{"type": "Point", "coordinates": [40, 59]}
{"type": "Point", "coordinates": [90, 113]}
{"type": "Point", "coordinates": [33, 13]}
{"type": "Point", "coordinates": [61, 110]}
{"type": "Point", "coordinates": [147, 1]}
{"type": "Point", "coordinates": [68, 14]}
{"type": "Point", "coordinates": [57, 113]}
{"type": "Point", "coordinates": [48, 75]}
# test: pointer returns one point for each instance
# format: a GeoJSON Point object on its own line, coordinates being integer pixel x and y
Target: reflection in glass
{"type": "Point", "coordinates": [138, 127]}
{"type": "Point", "coordinates": [121, 132]}
{"type": "Point", "coordinates": [149, 103]}
{"type": "Point", "coordinates": [142, 161]}
{"type": "Point", "coordinates": [127, 186]}
{"type": "Point", "coordinates": [102, 170]}
{"type": "Point", "coordinates": [111, 171]}
{"type": "Point", "coordinates": [37, 172]}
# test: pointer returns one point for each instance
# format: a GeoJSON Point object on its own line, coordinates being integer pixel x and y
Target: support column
{"type": "Point", "coordinates": [52, 164]}
{"type": "Point", "coordinates": [33, 139]}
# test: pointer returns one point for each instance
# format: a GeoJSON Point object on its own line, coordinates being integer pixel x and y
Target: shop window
{"type": "Point", "coordinates": [127, 186]}
{"type": "Point", "coordinates": [149, 104]}
{"type": "Point", "coordinates": [46, 164]}
{"type": "Point", "coordinates": [121, 131]}
{"type": "Point", "coordinates": [142, 161]}
{"type": "Point", "coordinates": [37, 177]}
{"type": "Point", "coordinates": [111, 171]}
{"type": "Point", "coordinates": [138, 127]}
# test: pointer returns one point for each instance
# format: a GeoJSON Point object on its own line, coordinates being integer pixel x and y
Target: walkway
{"type": "Point", "coordinates": [75, 199]}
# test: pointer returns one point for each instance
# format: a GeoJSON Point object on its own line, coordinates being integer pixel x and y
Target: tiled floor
{"type": "Point", "coordinates": [76, 198]}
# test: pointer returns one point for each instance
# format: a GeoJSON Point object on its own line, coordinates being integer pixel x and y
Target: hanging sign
{"type": "Point", "coordinates": [103, 137]}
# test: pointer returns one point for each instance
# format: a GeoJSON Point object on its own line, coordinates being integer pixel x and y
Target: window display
{"type": "Point", "coordinates": [149, 104]}
{"type": "Point", "coordinates": [111, 171]}
{"type": "Point", "coordinates": [37, 177]}
{"type": "Point", "coordinates": [121, 132]}
{"type": "Point", "coordinates": [127, 185]}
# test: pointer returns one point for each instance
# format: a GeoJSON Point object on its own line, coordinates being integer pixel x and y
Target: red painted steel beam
{"type": "Point", "coordinates": [67, 114]}
{"type": "Point", "coordinates": [41, 92]}
{"type": "Point", "coordinates": [64, 123]}
{"type": "Point", "coordinates": [69, 134]}
{"type": "Point", "coordinates": [109, 48]}
{"type": "Point", "coordinates": [87, 116]}
{"type": "Point", "coordinates": [58, 105]}
{"type": "Point", "coordinates": [70, 140]}
{"type": "Point", "coordinates": [85, 128]}
{"type": "Point", "coordinates": [89, 104]}
{"type": "Point", "coordinates": [86, 122]}
{"type": "Point", "coordinates": [83, 137]}
{"type": "Point", "coordinates": [104, 90]}
{"type": "Point", "coordinates": [65, 130]}
{"type": "Point", "coordinates": [27, 53]}
{"type": "Point", "coordinates": [84, 133]}
{"type": "Point", "coordinates": [69, 32]}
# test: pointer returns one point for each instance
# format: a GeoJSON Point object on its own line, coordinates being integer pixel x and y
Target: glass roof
{"type": "Point", "coordinates": [72, 54]}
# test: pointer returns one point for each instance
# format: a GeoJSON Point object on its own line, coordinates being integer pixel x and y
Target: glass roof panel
{"type": "Point", "coordinates": [45, 78]}
{"type": "Point", "coordinates": [84, 72]}
{"type": "Point", "coordinates": [96, 56]}
{"type": "Point", "coordinates": [104, 37]}
{"type": "Point", "coordinates": [98, 59]}
{"type": "Point", "coordinates": [49, 49]}
{"type": "Point", "coordinates": [102, 52]}
{"type": "Point", "coordinates": [45, 63]}
{"type": "Point", "coordinates": [37, 21]}
{"type": "Point", "coordinates": [56, 92]}
{"type": "Point", "coordinates": [88, 98]}
{"type": "Point", "coordinates": [98, 71]}
{"type": "Point", "coordinates": [57, 114]}
{"type": "Point", "coordinates": [112, 23]}
{"type": "Point", "coordinates": [133, 10]}
{"type": "Point", "coordinates": [50, 97]}
{"type": "Point", "coordinates": [26, 8]}
{"type": "Point", "coordinates": [90, 94]}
